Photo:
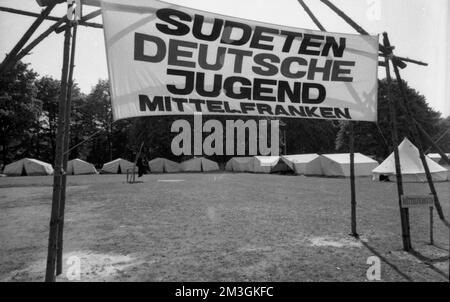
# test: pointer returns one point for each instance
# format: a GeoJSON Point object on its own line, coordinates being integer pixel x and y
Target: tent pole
{"type": "Point", "coordinates": [416, 130]}
{"type": "Point", "coordinates": [54, 220]}
{"type": "Point", "coordinates": [352, 178]}
{"type": "Point", "coordinates": [59, 258]}
{"type": "Point", "coordinates": [10, 59]}
{"type": "Point", "coordinates": [404, 213]}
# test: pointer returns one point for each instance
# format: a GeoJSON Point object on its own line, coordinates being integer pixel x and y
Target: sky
{"type": "Point", "coordinates": [419, 29]}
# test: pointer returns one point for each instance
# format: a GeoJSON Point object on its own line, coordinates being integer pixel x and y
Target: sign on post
{"type": "Point", "coordinates": [417, 201]}
{"type": "Point", "coordinates": [165, 59]}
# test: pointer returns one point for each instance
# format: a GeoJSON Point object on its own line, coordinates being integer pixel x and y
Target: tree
{"type": "Point", "coordinates": [310, 136]}
{"type": "Point", "coordinates": [111, 138]}
{"type": "Point", "coordinates": [375, 138]}
{"type": "Point", "coordinates": [48, 90]}
{"type": "Point", "coordinates": [19, 111]}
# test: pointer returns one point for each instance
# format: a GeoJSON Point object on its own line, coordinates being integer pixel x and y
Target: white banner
{"type": "Point", "coordinates": [165, 59]}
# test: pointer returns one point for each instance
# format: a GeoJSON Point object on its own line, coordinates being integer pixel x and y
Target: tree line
{"type": "Point", "coordinates": [29, 109]}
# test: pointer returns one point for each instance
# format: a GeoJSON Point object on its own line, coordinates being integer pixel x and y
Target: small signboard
{"type": "Point", "coordinates": [414, 201]}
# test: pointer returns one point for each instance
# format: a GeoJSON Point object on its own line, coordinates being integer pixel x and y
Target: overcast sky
{"type": "Point", "coordinates": [419, 29]}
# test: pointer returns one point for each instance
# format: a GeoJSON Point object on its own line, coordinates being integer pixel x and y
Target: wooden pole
{"type": "Point", "coordinates": [54, 220]}
{"type": "Point", "coordinates": [398, 61]}
{"type": "Point", "coordinates": [404, 213]}
{"type": "Point", "coordinates": [39, 39]}
{"type": "Point", "coordinates": [432, 143]}
{"type": "Point", "coordinates": [415, 129]}
{"type": "Point", "coordinates": [83, 21]}
{"type": "Point", "coordinates": [346, 18]}
{"type": "Point", "coordinates": [440, 137]}
{"type": "Point", "coordinates": [59, 258]}
{"type": "Point", "coordinates": [431, 226]}
{"type": "Point", "coordinates": [26, 13]}
{"type": "Point", "coordinates": [353, 223]}
{"type": "Point", "coordinates": [10, 60]}
{"type": "Point", "coordinates": [311, 15]}
{"type": "Point", "coordinates": [352, 179]}
{"type": "Point", "coordinates": [51, 18]}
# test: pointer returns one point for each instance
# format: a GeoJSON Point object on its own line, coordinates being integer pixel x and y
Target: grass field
{"type": "Point", "coordinates": [219, 227]}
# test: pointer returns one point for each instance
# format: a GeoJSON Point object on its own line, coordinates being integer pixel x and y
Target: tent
{"type": "Point", "coordinates": [269, 164]}
{"type": "Point", "coordinates": [304, 164]}
{"type": "Point", "coordinates": [163, 165]}
{"type": "Point", "coordinates": [117, 166]}
{"type": "Point", "coordinates": [240, 164]}
{"type": "Point", "coordinates": [28, 167]}
{"type": "Point", "coordinates": [437, 157]}
{"type": "Point", "coordinates": [199, 164]}
{"type": "Point", "coordinates": [338, 165]}
{"type": "Point", "coordinates": [77, 166]}
{"type": "Point", "coordinates": [410, 165]}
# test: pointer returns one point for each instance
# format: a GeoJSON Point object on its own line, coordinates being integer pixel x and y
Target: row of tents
{"type": "Point", "coordinates": [330, 165]}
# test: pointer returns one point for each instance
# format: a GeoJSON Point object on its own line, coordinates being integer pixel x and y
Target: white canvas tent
{"type": "Point", "coordinates": [163, 165]}
{"type": "Point", "coordinates": [338, 165]}
{"type": "Point", "coordinates": [410, 166]}
{"type": "Point", "coordinates": [437, 157]}
{"type": "Point", "coordinates": [117, 166]}
{"type": "Point", "coordinates": [269, 164]}
{"type": "Point", "coordinates": [28, 167]}
{"type": "Point", "coordinates": [240, 164]}
{"type": "Point", "coordinates": [304, 164]}
{"type": "Point", "coordinates": [199, 164]}
{"type": "Point", "coordinates": [77, 167]}
{"type": "Point", "coordinates": [434, 156]}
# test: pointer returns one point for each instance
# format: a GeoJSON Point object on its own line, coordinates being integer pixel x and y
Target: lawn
{"type": "Point", "coordinates": [219, 227]}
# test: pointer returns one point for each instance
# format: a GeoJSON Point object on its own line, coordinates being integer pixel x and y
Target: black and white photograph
{"type": "Point", "coordinates": [225, 148]}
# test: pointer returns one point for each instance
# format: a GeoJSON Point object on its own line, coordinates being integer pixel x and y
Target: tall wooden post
{"type": "Point", "coordinates": [416, 130]}
{"type": "Point", "coordinates": [59, 258]}
{"type": "Point", "coordinates": [404, 213]}
{"type": "Point", "coordinates": [54, 220]}
{"type": "Point", "coordinates": [352, 178]}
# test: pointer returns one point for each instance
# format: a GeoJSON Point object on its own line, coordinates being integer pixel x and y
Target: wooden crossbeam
{"type": "Point", "coordinates": [10, 59]}
{"type": "Point", "coordinates": [51, 18]}
{"type": "Point", "coordinates": [398, 61]}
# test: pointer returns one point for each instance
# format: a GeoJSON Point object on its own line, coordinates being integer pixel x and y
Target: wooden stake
{"type": "Point", "coordinates": [10, 60]}
{"type": "Point", "coordinates": [54, 220]}
{"type": "Point", "coordinates": [352, 179]}
{"type": "Point", "coordinates": [404, 213]}
{"type": "Point", "coordinates": [59, 258]}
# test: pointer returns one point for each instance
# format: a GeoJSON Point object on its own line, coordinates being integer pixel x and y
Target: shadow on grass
{"type": "Point", "coordinates": [395, 268]}
{"type": "Point", "coordinates": [429, 262]}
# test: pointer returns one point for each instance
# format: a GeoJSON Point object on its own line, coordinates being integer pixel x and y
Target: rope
{"type": "Point", "coordinates": [382, 135]}
{"type": "Point", "coordinates": [88, 139]}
